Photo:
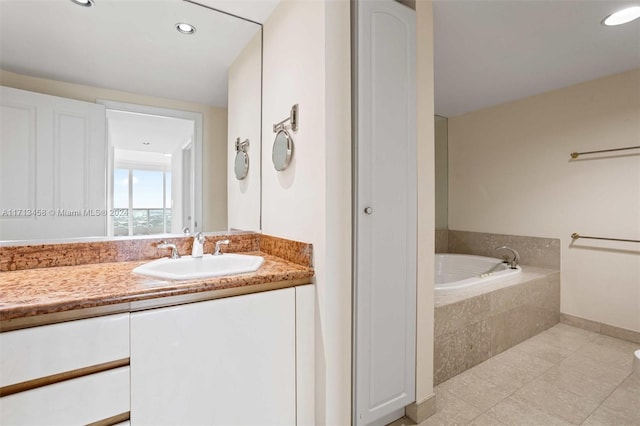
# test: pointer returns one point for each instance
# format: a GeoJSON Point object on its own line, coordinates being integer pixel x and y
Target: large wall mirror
{"type": "Point", "coordinates": [118, 118]}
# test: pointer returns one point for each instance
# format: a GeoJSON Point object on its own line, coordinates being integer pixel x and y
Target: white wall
{"type": "Point", "coordinates": [243, 205]}
{"type": "Point", "coordinates": [306, 61]}
{"type": "Point", "coordinates": [426, 197]}
{"type": "Point", "coordinates": [214, 145]}
{"type": "Point", "coordinates": [510, 173]}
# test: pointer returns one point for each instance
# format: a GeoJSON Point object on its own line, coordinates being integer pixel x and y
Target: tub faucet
{"type": "Point", "coordinates": [513, 263]}
{"type": "Point", "coordinates": [217, 250]}
{"type": "Point", "coordinates": [174, 249]}
{"type": "Point", "coordinates": [198, 245]}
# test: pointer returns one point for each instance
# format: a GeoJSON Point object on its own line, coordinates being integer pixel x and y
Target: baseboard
{"type": "Point", "coordinates": [602, 328]}
{"type": "Point", "coordinates": [421, 411]}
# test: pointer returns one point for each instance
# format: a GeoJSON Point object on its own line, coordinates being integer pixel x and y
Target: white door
{"type": "Point", "coordinates": [385, 310]}
{"type": "Point", "coordinates": [52, 166]}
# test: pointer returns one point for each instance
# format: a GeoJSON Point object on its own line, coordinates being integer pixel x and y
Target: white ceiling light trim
{"type": "Point", "coordinates": [622, 16]}
{"type": "Point", "coordinates": [184, 28]}
{"type": "Point", "coordinates": [85, 3]}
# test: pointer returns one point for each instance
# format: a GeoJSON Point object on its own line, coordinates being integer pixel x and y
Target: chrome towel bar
{"type": "Point", "coordinates": [575, 236]}
{"type": "Point", "coordinates": [575, 155]}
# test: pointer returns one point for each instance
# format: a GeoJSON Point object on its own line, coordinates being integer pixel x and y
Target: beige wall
{"type": "Point", "coordinates": [510, 173]}
{"type": "Point", "coordinates": [442, 173]}
{"type": "Point", "coordinates": [214, 134]}
{"type": "Point", "coordinates": [306, 61]}
{"type": "Point", "coordinates": [245, 102]}
{"type": "Point", "coordinates": [426, 197]}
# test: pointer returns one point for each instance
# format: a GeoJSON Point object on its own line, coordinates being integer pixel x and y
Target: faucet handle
{"type": "Point", "coordinates": [166, 245]}
{"type": "Point", "coordinates": [218, 243]}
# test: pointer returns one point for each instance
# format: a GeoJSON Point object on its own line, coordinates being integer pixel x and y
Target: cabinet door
{"type": "Point", "coordinates": [223, 362]}
{"type": "Point", "coordinates": [387, 212]}
{"type": "Point", "coordinates": [38, 352]}
{"type": "Point", "coordinates": [84, 400]}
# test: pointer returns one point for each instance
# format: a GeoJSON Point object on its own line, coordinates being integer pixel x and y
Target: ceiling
{"type": "Point", "coordinates": [127, 45]}
{"type": "Point", "coordinates": [488, 52]}
{"type": "Point", "coordinates": [165, 135]}
{"type": "Point", "coordinates": [255, 10]}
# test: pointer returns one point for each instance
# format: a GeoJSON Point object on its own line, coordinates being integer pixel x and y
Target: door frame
{"type": "Point", "coordinates": [196, 117]}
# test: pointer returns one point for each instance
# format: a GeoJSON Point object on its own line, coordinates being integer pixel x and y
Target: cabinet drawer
{"type": "Point", "coordinates": [79, 401]}
{"type": "Point", "coordinates": [52, 349]}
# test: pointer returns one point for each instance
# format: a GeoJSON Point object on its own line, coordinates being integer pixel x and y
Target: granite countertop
{"type": "Point", "coordinates": [36, 292]}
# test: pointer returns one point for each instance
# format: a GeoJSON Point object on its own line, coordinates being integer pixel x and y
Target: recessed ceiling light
{"type": "Point", "coordinates": [85, 3]}
{"type": "Point", "coordinates": [185, 28]}
{"type": "Point", "coordinates": [167, 155]}
{"type": "Point", "coordinates": [622, 16]}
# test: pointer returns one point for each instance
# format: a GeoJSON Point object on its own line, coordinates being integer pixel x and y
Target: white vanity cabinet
{"type": "Point", "coordinates": [229, 361]}
{"type": "Point", "coordinates": [69, 373]}
{"type": "Point", "coordinates": [242, 360]}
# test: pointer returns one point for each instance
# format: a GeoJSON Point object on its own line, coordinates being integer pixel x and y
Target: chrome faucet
{"type": "Point", "coordinates": [198, 245]}
{"type": "Point", "coordinates": [218, 243]}
{"type": "Point", "coordinates": [513, 263]}
{"type": "Point", "coordinates": [174, 249]}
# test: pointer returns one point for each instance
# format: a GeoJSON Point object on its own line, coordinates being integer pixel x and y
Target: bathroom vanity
{"type": "Point", "coordinates": [97, 344]}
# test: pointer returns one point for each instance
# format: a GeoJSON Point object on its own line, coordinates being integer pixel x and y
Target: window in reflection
{"type": "Point", "coordinates": [141, 201]}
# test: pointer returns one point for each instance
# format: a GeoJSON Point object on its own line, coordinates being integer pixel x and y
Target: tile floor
{"type": "Point", "coordinates": [563, 376]}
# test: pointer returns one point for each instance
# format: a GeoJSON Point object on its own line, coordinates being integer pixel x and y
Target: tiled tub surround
{"type": "Point", "coordinates": [478, 323]}
{"type": "Point", "coordinates": [50, 294]}
{"type": "Point", "coordinates": [534, 251]}
{"type": "Point", "coordinates": [442, 240]}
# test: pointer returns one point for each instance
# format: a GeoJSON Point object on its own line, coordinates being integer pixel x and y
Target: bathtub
{"type": "Point", "coordinates": [478, 316]}
{"type": "Point", "coordinates": [460, 271]}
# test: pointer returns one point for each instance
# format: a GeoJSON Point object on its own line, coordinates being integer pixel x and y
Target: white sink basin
{"type": "Point", "coordinates": [189, 268]}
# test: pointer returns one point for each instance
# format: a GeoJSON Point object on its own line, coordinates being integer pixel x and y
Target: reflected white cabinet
{"type": "Point", "coordinates": [222, 362]}
{"type": "Point", "coordinates": [52, 163]}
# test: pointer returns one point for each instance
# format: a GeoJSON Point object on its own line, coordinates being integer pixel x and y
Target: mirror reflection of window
{"type": "Point", "coordinates": [144, 206]}
{"type": "Point", "coordinates": [121, 202]}
{"type": "Point", "coordinates": [149, 190]}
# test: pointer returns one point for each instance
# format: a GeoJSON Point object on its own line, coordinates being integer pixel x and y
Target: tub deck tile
{"type": "Point", "coordinates": [470, 331]}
